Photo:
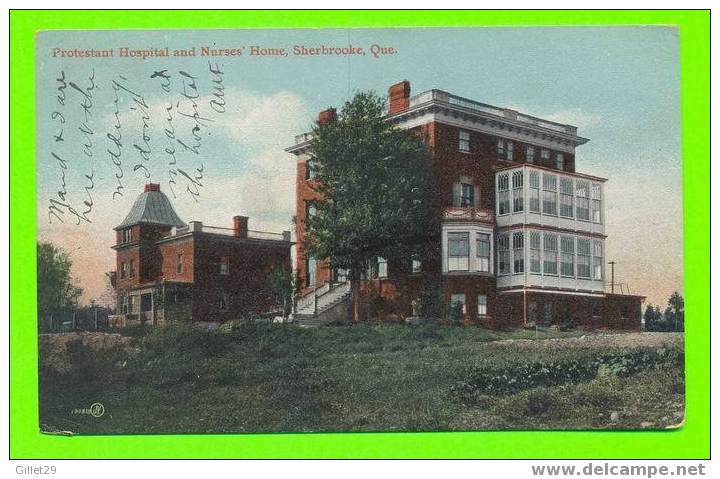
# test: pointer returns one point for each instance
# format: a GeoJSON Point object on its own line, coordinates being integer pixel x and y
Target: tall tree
{"type": "Point", "coordinates": [56, 288]}
{"type": "Point", "coordinates": [676, 312]}
{"type": "Point", "coordinates": [375, 180]}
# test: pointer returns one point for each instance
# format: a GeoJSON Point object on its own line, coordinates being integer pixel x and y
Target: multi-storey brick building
{"type": "Point", "coordinates": [522, 235]}
{"type": "Point", "coordinates": [167, 269]}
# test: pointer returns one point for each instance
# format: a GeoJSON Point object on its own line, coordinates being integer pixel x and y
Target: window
{"type": "Point", "coordinates": [583, 258]}
{"type": "Point", "coordinates": [547, 314]}
{"type": "Point", "coordinates": [382, 267]}
{"type": "Point", "coordinates": [483, 252]}
{"type": "Point", "coordinates": [503, 247]}
{"type": "Point", "coordinates": [458, 251]}
{"type": "Point", "coordinates": [123, 270]}
{"type": "Point", "coordinates": [224, 265]}
{"type": "Point", "coordinates": [222, 301]}
{"type": "Point", "coordinates": [126, 305]}
{"type": "Point", "coordinates": [464, 143]}
{"type": "Point", "coordinates": [482, 305]}
{"type": "Point", "coordinates": [531, 154]}
{"type": "Point", "coordinates": [549, 194]}
{"type": "Point", "coordinates": [534, 252]}
{"type": "Point", "coordinates": [416, 266]}
{"type": "Point", "coordinates": [467, 197]}
{"type": "Point", "coordinates": [560, 161]}
{"type": "Point", "coordinates": [535, 191]}
{"type": "Point", "coordinates": [566, 197]}
{"type": "Point", "coordinates": [596, 311]}
{"type": "Point", "coordinates": [596, 204]}
{"type": "Point", "coordinates": [518, 240]}
{"type": "Point", "coordinates": [532, 312]}
{"type": "Point", "coordinates": [127, 235]}
{"type": "Point", "coordinates": [505, 150]}
{"type": "Point", "coordinates": [131, 268]}
{"type": "Point", "coordinates": [549, 254]}
{"type": "Point", "coordinates": [544, 157]}
{"type": "Point", "coordinates": [310, 271]}
{"type": "Point", "coordinates": [582, 208]}
{"type": "Point", "coordinates": [310, 210]}
{"type": "Point", "coordinates": [180, 265]}
{"type": "Point", "coordinates": [310, 169]}
{"type": "Point", "coordinates": [567, 256]}
{"type": "Point", "coordinates": [458, 299]}
{"type": "Point", "coordinates": [597, 260]}
{"type": "Point", "coordinates": [503, 194]}
{"type": "Point", "coordinates": [517, 192]}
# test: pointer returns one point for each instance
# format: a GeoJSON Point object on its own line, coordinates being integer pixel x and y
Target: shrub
{"type": "Point", "coordinates": [524, 376]}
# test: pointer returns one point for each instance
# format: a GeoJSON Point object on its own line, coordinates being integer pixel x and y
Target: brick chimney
{"type": "Point", "coordinates": [399, 97]}
{"type": "Point", "coordinates": [240, 226]}
{"type": "Point", "coordinates": [152, 187]}
{"type": "Point", "coordinates": [326, 116]}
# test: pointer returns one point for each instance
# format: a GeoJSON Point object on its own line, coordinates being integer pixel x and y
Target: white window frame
{"type": "Point", "coordinates": [567, 251]}
{"type": "Point", "coordinates": [458, 262]}
{"type": "Point", "coordinates": [483, 261]}
{"type": "Point", "coordinates": [482, 305]}
{"type": "Point", "coordinates": [503, 251]}
{"type": "Point", "coordinates": [518, 246]}
{"type": "Point", "coordinates": [503, 189]}
{"type": "Point", "coordinates": [518, 197]}
{"type": "Point", "coordinates": [534, 183]}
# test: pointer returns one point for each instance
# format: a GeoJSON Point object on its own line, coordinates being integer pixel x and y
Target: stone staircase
{"type": "Point", "coordinates": [323, 305]}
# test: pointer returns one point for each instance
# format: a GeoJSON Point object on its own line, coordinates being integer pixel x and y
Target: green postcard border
{"type": "Point", "coordinates": [690, 441]}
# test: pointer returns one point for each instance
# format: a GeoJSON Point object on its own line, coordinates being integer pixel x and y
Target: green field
{"type": "Point", "coordinates": [255, 377]}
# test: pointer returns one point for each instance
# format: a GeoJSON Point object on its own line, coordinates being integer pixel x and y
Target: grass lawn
{"type": "Point", "coordinates": [274, 378]}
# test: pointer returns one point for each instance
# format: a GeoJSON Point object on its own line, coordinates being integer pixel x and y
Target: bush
{"type": "Point", "coordinates": [524, 376]}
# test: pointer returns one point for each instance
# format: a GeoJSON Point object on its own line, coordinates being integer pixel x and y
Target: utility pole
{"type": "Point", "coordinates": [612, 276]}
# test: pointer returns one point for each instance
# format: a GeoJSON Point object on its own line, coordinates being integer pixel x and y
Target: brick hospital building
{"type": "Point", "coordinates": [167, 269]}
{"type": "Point", "coordinates": [522, 237]}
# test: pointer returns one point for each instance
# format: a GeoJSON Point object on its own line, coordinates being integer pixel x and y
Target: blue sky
{"type": "Point", "coordinates": [619, 85]}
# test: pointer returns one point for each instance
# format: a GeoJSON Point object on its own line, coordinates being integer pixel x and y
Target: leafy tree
{"type": "Point", "coordinates": [675, 312]}
{"type": "Point", "coordinates": [56, 287]}
{"type": "Point", "coordinates": [283, 284]}
{"type": "Point", "coordinates": [375, 181]}
{"type": "Point", "coordinates": [654, 319]}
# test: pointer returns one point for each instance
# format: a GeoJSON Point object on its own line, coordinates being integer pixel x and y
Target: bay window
{"type": "Point", "coordinates": [534, 191]}
{"type": "Point", "coordinates": [567, 256]}
{"type": "Point", "coordinates": [550, 254]}
{"type": "Point", "coordinates": [597, 260]}
{"type": "Point", "coordinates": [517, 191]}
{"type": "Point", "coordinates": [566, 197]}
{"type": "Point", "coordinates": [503, 194]}
{"type": "Point", "coordinates": [596, 204]}
{"type": "Point", "coordinates": [549, 194]}
{"type": "Point", "coordinates": [483, 252]}
{"type": "Point", "coordinates": [503, 247]}
{"type": "Point", "coordinates": [458, 251]}
{"type": "Point", "coordinates": [582, 192]}
{"type": "Point", "coordinates": [583, 258]}
{"type": "Point", "coordinates": [534, 252]}
{"type": "Point", "coordinates": [518, 243]}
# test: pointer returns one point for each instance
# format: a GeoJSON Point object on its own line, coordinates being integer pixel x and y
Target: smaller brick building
{"type": "Point", "coordinates": [170, 270]}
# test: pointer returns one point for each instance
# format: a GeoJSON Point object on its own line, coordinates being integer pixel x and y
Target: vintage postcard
{"type": "Point", "coordinates": [416, 229]}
